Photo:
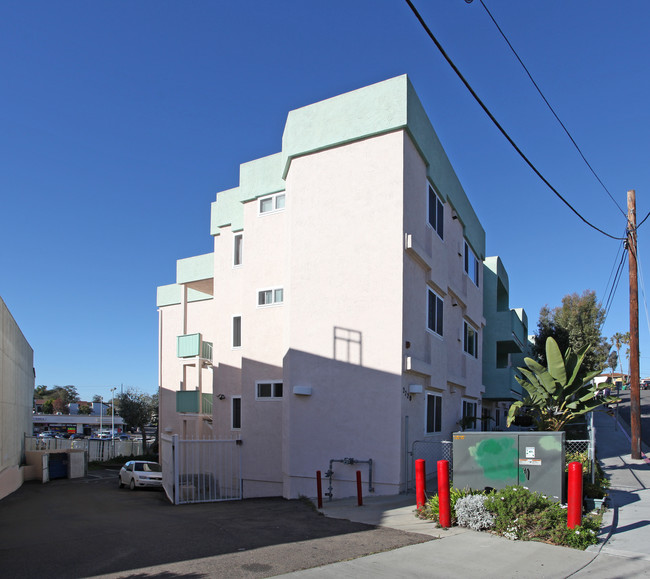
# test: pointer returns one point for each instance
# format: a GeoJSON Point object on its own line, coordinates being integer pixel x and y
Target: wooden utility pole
{"type": "Point", "coordinates": [635, 393]}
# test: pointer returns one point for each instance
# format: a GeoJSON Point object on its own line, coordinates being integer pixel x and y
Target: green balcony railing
{"type": "Point", "coordinates": [188, 401]}
{"type": "Point", "coordinates": [192, 345]}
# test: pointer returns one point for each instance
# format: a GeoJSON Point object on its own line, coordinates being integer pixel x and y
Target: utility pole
{"type": "Point", "coordinates": [635, 393]}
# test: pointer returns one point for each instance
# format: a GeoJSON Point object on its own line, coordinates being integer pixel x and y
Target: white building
{"type": "Point", "coordinates": [340, 313]}
{"type": "Point", "coordinates": [16, 394]}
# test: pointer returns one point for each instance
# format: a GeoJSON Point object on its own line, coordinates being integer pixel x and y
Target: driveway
{"type": "Point", "coordinates": [88, 527]}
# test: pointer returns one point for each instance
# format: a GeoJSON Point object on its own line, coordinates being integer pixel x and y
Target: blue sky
{"type": "Point", "coordinates": [122, 120]}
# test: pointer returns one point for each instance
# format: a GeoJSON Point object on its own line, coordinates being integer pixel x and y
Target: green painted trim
{"type": "Point", "coordinates": [256, 179]}
{"type": "Point", "coordinates": [170, 295]}
{"type": "Point", "coordinates": [195, 268]}
{"type": "Point", "coordinates": [367, 112]}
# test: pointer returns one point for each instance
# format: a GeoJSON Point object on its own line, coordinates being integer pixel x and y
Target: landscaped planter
{"type": "Point", "coordinates": [593, 504]}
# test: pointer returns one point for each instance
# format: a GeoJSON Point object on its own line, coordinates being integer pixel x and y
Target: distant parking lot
{"type": "Point", "coordinates": [89, 527]}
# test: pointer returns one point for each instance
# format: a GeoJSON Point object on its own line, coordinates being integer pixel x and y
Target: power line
{"type": "Point", "coordinates": [496, 123]}
{"type": "Point", "coordinates": [530, 76]}
{"type": "Point", "coordinates": [617, 279]}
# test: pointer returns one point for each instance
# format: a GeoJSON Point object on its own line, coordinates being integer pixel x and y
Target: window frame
{"type": "Point", "coordinates": [467, 403]}
{"type": "Point", "coordinates": [275, 291]}
{"type": "Point", "coordinates": [438, 312]}
{"type": "Point", "coordinates": [235, 413]}
{"type": "Point", "coordinates": [238, 250]}
{"type": "Point", "coordinates": [234, 334]}
{"type": "Point", "coordinates": [474, 275]}
{"type": "Point", "coordinates": [467, 328]}
{"type": "Point", "coordinates": [436, 419]}
{"type": "Point", "coordinates": [435, 205]}
{"type": "Point", "coordinates": [276, 204]}
{"type": "Point", "coordinates": [273, 391]}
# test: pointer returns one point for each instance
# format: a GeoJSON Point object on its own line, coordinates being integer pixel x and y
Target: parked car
{"type": "Point", "coordinates": [140, 473]}
{"type": "Point", "coordinates": [123, 437]}
{"type": "Point", "coordinates": [77, 436]}
{"type": "Point", "coordinates": [48, 434]}
{"type": "Point", "coordinates": [103, 435]}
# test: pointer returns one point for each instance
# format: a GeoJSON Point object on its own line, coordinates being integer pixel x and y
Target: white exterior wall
{"type": "Point", "coordinates": [16, 396]}
{"type": "Point", "coordinates": [344, 312]}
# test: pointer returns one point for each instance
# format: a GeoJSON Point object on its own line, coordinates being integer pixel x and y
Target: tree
{"type": "Point", "coordinates": [559, 392]}
{"type": "Point", "coordinates": [575, 324]}
{"type": "Point", "coordinates": [137, 409]}
{"type": "Point", "coordinates": [619, 340]}
{"type": "Point", "coordinates": [39, 391]}
{"type": "Point", "coordinates": [97, 398]}
{"type": "Point", "coordinates": [85, 409]}
{"type": "Point", "coordinates": [48, 407]}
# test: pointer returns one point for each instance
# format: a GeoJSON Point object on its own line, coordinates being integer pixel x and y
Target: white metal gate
{"type": "Point", "coordinates": [431, 451]}
{"type": "Point", "coordinates": [200, 471]}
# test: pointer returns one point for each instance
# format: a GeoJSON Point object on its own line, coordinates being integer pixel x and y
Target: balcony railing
{"type": "Point", "coordinates": [188, 401]}
{"type": "Point", "coordinates": [192, 345]}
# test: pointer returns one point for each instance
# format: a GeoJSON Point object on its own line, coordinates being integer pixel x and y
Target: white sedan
{"type": "Point", "coordinates": [140, 473]}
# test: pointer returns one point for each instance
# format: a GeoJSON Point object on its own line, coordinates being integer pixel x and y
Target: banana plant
{"type": "Point", "coordinates": [559, 392]}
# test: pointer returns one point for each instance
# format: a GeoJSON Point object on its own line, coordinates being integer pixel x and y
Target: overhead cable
{"type": "Point", "coordinates": [498, 126]}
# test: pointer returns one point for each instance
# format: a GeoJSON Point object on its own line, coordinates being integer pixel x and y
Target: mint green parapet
{"type": "Point", "coordinates": [370, 111]}
{"type": "Point", "coordinates": [256, 178]}
{"type": "Point", "coordinates": [195, 268]}
{"type": "Point", "coordinates": [169, 295]}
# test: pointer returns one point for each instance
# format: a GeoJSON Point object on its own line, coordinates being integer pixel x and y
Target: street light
{"type": "Point", "coordinates": [113, 417]}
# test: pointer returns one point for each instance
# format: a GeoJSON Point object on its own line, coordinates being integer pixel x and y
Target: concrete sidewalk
{"type": "Point", "coordinates": [623, 550]}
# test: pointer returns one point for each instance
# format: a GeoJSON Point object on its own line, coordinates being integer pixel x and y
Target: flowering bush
{"type": "Point", "coordinates": [431, 510]}
{"type": "Point", "coordinates": [525, 515]}
{"type": "Point", "coordinates": [471, 512]}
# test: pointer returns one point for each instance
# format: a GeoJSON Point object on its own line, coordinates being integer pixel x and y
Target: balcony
{"type": "Point", "coordinates": [188, 401]}
{"type": "Point", "coordinates": [193, 346]}
{"type": "Point", "coordinates": [500, 384]}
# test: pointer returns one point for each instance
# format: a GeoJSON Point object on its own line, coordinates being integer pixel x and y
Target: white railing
{"type": "Point", "coordinates": [199, 471]}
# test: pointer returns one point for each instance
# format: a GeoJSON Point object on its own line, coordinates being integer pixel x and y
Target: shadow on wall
{"type": "Point", "coordinates": [348, 346]}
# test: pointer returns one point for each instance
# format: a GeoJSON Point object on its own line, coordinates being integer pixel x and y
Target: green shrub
{"type": "Point", "coordinates": [431, 509]}
{"type": "Point", "coordinates": [525, 515]}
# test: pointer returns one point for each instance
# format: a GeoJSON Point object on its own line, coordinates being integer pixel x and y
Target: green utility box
{"type": "Point", "coordinates": [498, 459]}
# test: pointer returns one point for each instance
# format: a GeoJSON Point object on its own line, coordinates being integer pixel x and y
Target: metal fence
{"type": "Point", "coordinates": [200, 471]}
{"type": "Point", "coordinates": [431, 451]}
{"type": "Point", "coordinates": [100, 450]}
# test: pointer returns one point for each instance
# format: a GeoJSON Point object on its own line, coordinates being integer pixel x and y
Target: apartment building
{"type": "Point", "coordinates": [340, 313]}
{"type": "Point", "coordinates": [505, 345]}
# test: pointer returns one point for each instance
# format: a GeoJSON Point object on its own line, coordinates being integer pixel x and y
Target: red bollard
{"type": "Point", "coordinates": [574, 496]}
{"type": "Point", "coordinates": [359, 496]}
{"type": "Point", "coordinates": [420, 482]}
{"type": "Point", "coordinates": [444, 506]}
{"type": "Point", "coordinates": [319, 490]}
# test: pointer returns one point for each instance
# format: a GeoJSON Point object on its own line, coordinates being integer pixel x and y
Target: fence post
{"type": "Point", "coordinates": [574, 495]}
{"type": "Point", "coordinates": [444, 507]}
{"type": "Point", "coordinates": [420, 478]}
{"type": "Point", "coordinates": [176, 469]}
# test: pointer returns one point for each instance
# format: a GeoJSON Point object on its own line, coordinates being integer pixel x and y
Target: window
{"type": "Point", "coordinates": [434, 413]}
{"type": "Point", "coordinates": [270, 296]}
{"type": "Point", "coordinates": [238, 247]}
{"type": "Point", "coordinates": [471, 264]}
{"type": "Point", "coordinates": [236, 332]}
{"type": "Point", "coordinates": [434, 312]}
{"type": "Point", "coordinates": [236, 412]}
{"type": "Point", "coordinates": [268, 390]}
{"type": "Point", "coordinates": [470, 340]}
{"type": "Point", "coordinates": [271, 203]}
{"type": "Point", "coordinates": [469, 415]}
{"type": "Point", "coordinates": [436, 213]}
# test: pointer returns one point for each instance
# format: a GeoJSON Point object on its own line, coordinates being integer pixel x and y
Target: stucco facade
{"type": "Point", "coordinates": [16, 395]}
{"type": "Point", "coordinates": [340, 313]}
